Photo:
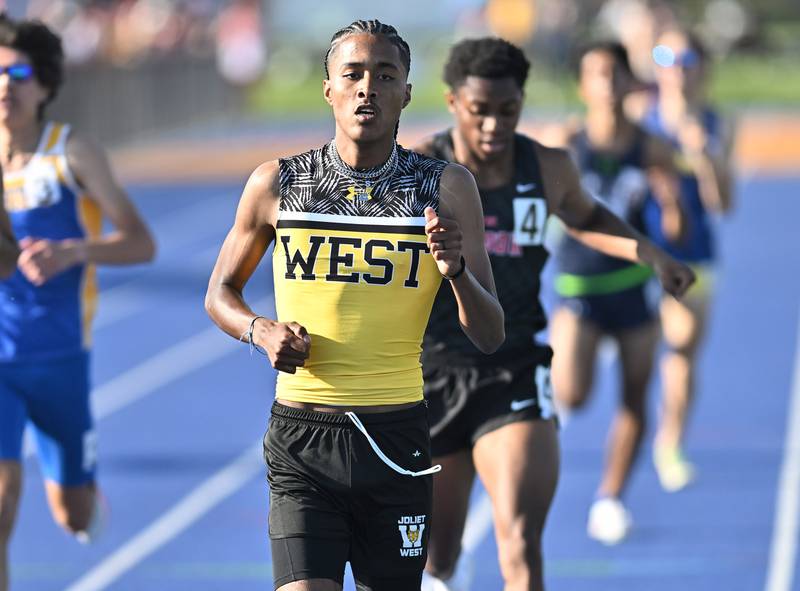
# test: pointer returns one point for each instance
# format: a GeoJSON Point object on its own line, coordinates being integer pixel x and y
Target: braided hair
{"type": "Point", "coordinates": [371, 27]}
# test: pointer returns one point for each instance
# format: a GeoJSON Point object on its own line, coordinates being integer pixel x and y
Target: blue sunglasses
{"type": "Point", "coordinates": [18, 72]}
{"type": "Point", "coordinates": [687, 59]}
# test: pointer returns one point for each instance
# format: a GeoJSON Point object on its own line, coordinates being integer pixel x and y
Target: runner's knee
{"type": "Point", "coordinates": [520, 552]}
{"type": "Point", "coordinates": [74, 515]}
{"type": "Point", "coordinates": [634, 399]}
{"type": "Point", "coordinates": [9, 500]}
{"type": "Point", "coordinates": [442, 563]}
{"type": "Point", "coordinates": [71, 521]}
{"type": "Point", "coordinates": [572, 395]}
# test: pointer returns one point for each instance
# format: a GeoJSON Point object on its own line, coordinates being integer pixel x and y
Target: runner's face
{"type": "Point", "coordinates": [19, 99]}
{"type": "Point", "coordinates": [487, 111]}
{"type": "Point", "coordinates": [602, 80]}
{"type": "Point", "coordinates": [367, 86]}
{"type": "Point", "coordinates": [687, 75]}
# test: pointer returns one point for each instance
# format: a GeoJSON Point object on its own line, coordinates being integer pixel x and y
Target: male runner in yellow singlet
{"type": "Point", "coordinates": [364, 231]}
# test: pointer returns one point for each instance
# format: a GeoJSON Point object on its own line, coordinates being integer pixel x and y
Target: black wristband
{"type": "Point", "coordinates": [458, 273]}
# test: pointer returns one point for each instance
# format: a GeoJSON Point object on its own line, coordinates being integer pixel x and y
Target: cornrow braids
{"type": "Point", "coordinates": [370, 27]}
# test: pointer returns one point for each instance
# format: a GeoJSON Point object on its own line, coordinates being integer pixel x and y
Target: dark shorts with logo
{"type": "Point", "coordinates": [467, 402]}
{"type": "Point", "coordinates": [615, 312]}
{"type": "Point", "coordinates": [333, 500]}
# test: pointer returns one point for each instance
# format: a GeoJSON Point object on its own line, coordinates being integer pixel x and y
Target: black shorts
{"type": "Point", "coordinates": [465, 403]}
{"type": "Point", "coordinates": [615, 312]}
{"type": "Point", "coordinates": [333, 500]}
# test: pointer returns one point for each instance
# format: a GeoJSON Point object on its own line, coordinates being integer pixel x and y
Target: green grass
{"type": "Point", "coordinates": [737, 82]}
{"type": "Point", "coordinates": [749, 81]}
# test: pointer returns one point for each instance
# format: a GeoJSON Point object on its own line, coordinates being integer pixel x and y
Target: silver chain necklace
{"type": "Point", "coordinates": [363, 180]}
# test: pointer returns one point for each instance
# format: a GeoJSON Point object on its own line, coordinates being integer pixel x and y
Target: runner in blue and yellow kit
{"type": "Point", "coordinates": [58, 187]}
{"type": "Point", "coordinates": [9, 251]}
{"type": "Point", "coordinates": [681, 114]}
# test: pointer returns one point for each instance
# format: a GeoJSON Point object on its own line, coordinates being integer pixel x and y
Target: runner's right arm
{"type": "Point", "coordinates": [286, 343]}
{"type": "Point", "coordinates": [9, 251]}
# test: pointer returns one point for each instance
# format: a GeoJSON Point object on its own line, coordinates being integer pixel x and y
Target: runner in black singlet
{"type": "Point", "coordinates": [493, 414]}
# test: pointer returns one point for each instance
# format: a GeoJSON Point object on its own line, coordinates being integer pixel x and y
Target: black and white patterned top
{"type": "Point", "coordinates": [310, 183]}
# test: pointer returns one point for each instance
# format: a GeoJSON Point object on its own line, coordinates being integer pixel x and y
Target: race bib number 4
{"type": "Point", "coordinates": [530, 215]}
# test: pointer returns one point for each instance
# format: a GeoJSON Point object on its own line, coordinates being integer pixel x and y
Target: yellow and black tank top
{"type": "Point", "coordinates": [352, 266]}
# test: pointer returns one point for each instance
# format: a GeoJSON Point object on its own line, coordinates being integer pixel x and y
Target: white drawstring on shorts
{"type": "Point", "coordinates": [399, 469]}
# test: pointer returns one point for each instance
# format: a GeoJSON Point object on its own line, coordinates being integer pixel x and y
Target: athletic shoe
{"type": "Point", "coordinates": [431, 583]}
{"type": "Point", "coordinates": [461, 579]}
{"type": "Point", "coordinates": [674, 472]}
{"type": "Point", "coordinates": [98, 522]}
{"type": "Point", "coordinates": [609, 521]}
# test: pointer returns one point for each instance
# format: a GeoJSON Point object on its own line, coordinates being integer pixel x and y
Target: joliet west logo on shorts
{"type": "Point", "coordinates": [411, 528]}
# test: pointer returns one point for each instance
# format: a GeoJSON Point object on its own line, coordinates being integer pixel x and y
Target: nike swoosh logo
{"type": "Point", "coordinates": [525, 187]}
{"type": "Point", "coordinates": [520, 404]}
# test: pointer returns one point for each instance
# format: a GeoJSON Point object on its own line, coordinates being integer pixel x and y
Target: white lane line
{"type": "Point", "coordinates": [783, 551]}
{"type": "Point", "coordinates": [167, 366]}
{"type": "Point", "coordinates": [172, 363]}
{"type": "Point", "coordinates": [129, 298]}
{"type": "Point", "coordinates": [171, 234]}
{"type": "Point", "coordinates": [171, 524]}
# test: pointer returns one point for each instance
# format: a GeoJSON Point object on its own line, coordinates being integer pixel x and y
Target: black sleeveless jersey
{"type": "Point", "coordinates": [514, 219]}
{"type": "Point", "coordinates": [620, 183]}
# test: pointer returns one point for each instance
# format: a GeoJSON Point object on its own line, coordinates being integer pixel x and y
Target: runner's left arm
{"type": "Point", "coordinates": [455, 238]}
{"type": "Point", "coordinates": [595, 226]}
{"type": "Point", "coordinates": [710, 162]}
{"type": "Point", "coordinates": [130, 242]}
{"type": "Point", "coordinates": [662, 176]}
{"type": "Point", "coordinates": [8, 244]}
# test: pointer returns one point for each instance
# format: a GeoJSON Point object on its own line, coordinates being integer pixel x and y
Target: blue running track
{"type": "Point", "coordinates": [182, 409]}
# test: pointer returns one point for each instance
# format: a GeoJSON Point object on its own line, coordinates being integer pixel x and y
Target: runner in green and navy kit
{"type": "Point", "coordinates": [605, 296]}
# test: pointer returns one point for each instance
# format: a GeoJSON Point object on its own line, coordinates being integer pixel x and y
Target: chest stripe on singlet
{"type": "Point", "coordinates": [321, 221]}
{"type": "Point", "coordinates": [569, 285]}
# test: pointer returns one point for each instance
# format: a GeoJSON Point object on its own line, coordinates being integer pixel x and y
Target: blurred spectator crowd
{"type": "Point", "coordinates": [127, 33]}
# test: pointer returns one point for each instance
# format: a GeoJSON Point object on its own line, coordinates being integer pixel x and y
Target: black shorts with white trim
{"type": "Point", "coordinates": [334, 500]}
{"type": "Point", "coordinates": [467, 402]}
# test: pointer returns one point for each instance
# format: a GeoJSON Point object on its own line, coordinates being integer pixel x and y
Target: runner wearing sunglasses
{"type": "Point", "coordinates": [57, 188]}
{"type": "Point", "coordinates": [703, 140]}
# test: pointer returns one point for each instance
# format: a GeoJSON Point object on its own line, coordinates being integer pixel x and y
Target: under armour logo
{"type": "Point", "coordinates": [357, 194]}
